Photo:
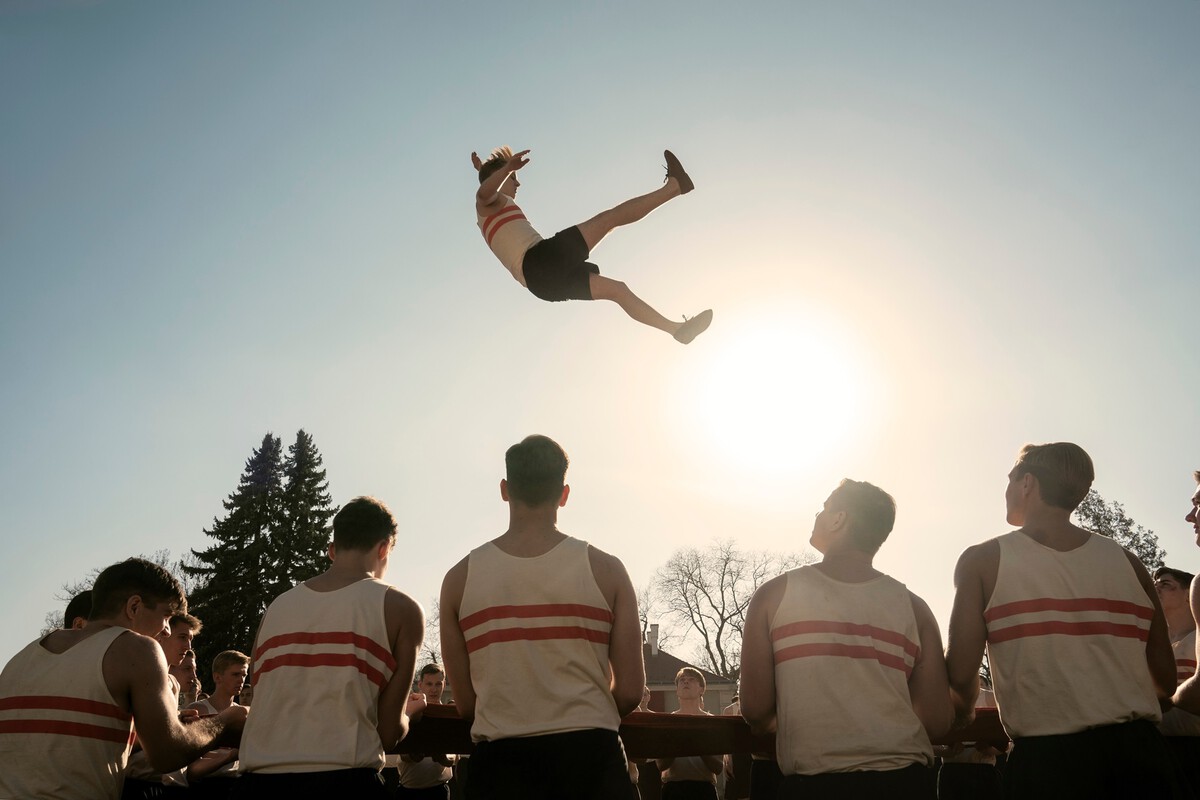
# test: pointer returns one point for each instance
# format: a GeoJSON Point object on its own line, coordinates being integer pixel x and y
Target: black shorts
{"type": "Point", "coordinates": [357, 783]}
{"type": "Point", "coordinates": [582, 765]}
{"type": "Point", "coordinates": [557, 268]}
{"type": "Point", "coordinates": [914, 782]}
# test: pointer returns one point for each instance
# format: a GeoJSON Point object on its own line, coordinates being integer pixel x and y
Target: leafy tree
{"type": "Point", "coordinates": [1109, 519]}
{"type": "Point", "coordinates": [301, 542]}
{"type": "Point", "coordinates": [708, 591]}
{"type": "Point", "coordinates": [234, 574]}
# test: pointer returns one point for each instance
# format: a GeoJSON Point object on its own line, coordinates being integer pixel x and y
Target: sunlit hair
{"type": "Point", "coordinates": [1063, 470]}
{"type": "Point", "coordinates": [536, 469]}
{"type": "Point", "coordinates": [693, 672]}
{"type": "Point", "coordinates": [498, 159]}
{"type": "Point", "coordinates": [135, 576]}
{"type": "Point", "coordinates": [80, 606]}
{"type": "Point", "coordinates": [871, 512]}
{"type": "Point", "coordinates": [1196, 476]}
{"type": "Point", "coordinates": [1184, 579]}
{"type": "Point", "coordinates": [183, 618]}
{"type": "Point", "coordinates": [227, 659]}
{"type": "Point", "coordinates": [432, 668]}
{"type": "Point", "coordinates": [362, 524]}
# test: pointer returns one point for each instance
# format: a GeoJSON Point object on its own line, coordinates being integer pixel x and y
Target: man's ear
{"type": "Point", "coordinates": [332, 551]}
{"type": "Point", "coordinates": [132, 605]}
{"type": "Point", "coordinates": [562, 501]}
{"type": "Point", "coordinates": [504, 489]}
{"type": "Point", "coordinates": [838, 522]}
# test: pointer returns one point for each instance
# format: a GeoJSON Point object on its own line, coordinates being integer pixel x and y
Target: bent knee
{"type": "Point", "coordinates": [607, 289]}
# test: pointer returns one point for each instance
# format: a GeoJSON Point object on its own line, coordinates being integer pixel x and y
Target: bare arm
{"type": "Point", "coordinates": [406, 629]}
{"type": "Point", "coordinates": [927, 685]}
{"type": "Point", "coordinates": [454, 644]}
{"type": "Point", "coordinates": [210, 762]}
{"type": "Point", "coordinates": [968, 631]}
{"type": "Point", "coordinates": [488, 195]}
{"type": "Point", "coordinates": [1159, 655]}
{"type": "Point", "coordinates": [1187, 696]}
{"type": "Point", "coordinates": [625, 643]}
{"type": "Point", "coordinates": [136, 673]}
{"type": "Point", "coordinates": [757, 691]}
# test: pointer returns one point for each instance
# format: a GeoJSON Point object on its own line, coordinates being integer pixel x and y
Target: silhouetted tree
{"type": "Point", "coordinates": [301, 542]}
{"type": "Point", "coordinates": [1109, 519]}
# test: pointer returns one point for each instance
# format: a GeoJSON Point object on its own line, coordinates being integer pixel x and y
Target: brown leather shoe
{"type": "Point", "coordinates": [675, 170]}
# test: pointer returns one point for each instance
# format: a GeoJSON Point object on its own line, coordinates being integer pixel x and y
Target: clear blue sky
{"type": "Point", "coordinates": [930, 233]}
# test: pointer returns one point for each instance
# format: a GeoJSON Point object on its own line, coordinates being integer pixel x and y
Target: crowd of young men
{"type": "Point", "coordinates": [542, 645]}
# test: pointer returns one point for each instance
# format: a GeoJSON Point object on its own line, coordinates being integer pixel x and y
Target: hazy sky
{"type": "Point", "coordinates": [930, 232]}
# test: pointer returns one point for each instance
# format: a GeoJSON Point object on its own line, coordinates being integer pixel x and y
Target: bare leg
{"type": "Point", "coordinates": [598, 226]}
{"type": "Point", "coordinates": [607, 289]}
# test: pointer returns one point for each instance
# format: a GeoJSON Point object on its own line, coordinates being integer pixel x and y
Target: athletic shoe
{"type": "Point", "coordinates": [675, 170]}
{"type": "Point", "coordinates": [693, 327]}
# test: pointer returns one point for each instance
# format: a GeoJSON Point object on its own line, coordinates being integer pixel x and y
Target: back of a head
{"type": "Point", "coordinates": [1064, 472]}
{"type": "Point", "coordinates": [79, 607]}
{"type": "Point", "coordinates": [498, 159]}
{"type": "Point", "coordinates": [536, 470]}
{"type": "Point", "coordinates": [363, 524]}
{"type": "Point", "coordinates": [135, 576]}
{"type": "Point", "coordinates": [871, 512]}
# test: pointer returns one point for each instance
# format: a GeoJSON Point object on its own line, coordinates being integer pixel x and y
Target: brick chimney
{"type": "Point", "coordinates": [653, 637]}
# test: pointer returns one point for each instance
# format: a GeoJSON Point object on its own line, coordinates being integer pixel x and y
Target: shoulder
{"type": "Point", "coordinates": [921, 611]}
{"type": "Point", "coordinates": [398, 602]}
{"type": "Point", "coordinates": [454, 584]}
{"type": "Point", "coordinates": [978, 558]}
{"type": "Point", "coordinates": [136, 648]}
{"type": "Point", "coordinates": [604, 563]}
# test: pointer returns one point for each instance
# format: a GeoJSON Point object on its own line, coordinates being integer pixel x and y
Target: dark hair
{"type": "Point", "coordinates": [871, 511]}
{"type": "Point", "coordinates": [135, 576]}
{"type": "Point", "coordinates": [184, 618]}
{"type": "Point", "coordinates": [363, 523]}
{"type": "Point", "coordinates": [1184, 578]}
{"type": "Point", "coordinates": [491, 167]}
{"type": "Point", "coordinates": [433, 668]}
{"type": "Point", "coordinates": [693, 672]}
{"type": "Point", "coordinates": [1063, 470]}
{"type": "Point", "coordinates": [80, 606]}
{"type": "Point", "coordinates": [536, 468]}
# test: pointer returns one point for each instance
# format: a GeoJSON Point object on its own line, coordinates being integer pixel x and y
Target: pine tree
{"type": "Point", "coordinates": [1110, 519]}
{"type": "Point", "coordinates": [301, 543]}
{"type": "Point", "coordinates": [233, 574]}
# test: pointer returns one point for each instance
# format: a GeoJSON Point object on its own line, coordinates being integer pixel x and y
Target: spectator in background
{"type": "Point", "coordinates": [427, 776]}
{"type": "Point", "coordinates": [690, 777]}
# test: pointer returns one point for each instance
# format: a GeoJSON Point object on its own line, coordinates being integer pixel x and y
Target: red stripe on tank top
{"type": "Point", "coordinates": [1061, 628]}
{"type": "Point", "coordinates": [848, 628]}
{"type": "Point", "coordinates": [1074, 604]}
{"type": "Point", "coordinates": [328, 637]}
{"type": "Point", "coordinates": [534, 611]}
{"type": "Point", "coordinates": [321, 660]}
{"type": "Point", "coordinates": [56, 727]}
{"type": "Point", "coordinates": [838, 650]}
{"type": "Point", "coordinates": [61, 703]}
{"type": "Point", "coordinates": [536, 635]}
{"type": "Point", "coordinates": [490, 231]}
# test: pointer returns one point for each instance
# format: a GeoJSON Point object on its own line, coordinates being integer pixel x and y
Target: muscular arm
{"type": "Point", "coordinates": [968, 631]}
{"type": "Point", "coordinates": [1159, 656]}
{"type": "Point", "coordinates": [757, 690]}
{"type": "Point", "coordinates": [454, 645]}
{"type": "Point", "coordinates": [1187, 696]}
{"type": "Point", "coordinates": [136, 673]}
{"type": "Point", "coordinates": [488, 195]}
{"type": "Point", "coordinates": [927, 685]}
{"type": "Point", "coordinates": [406, 629]}
{"type": "Point", "coordinates": [625, 643]}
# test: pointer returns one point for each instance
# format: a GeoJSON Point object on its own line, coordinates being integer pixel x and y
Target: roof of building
{"type": "Point", "coordinates": [661, 667]}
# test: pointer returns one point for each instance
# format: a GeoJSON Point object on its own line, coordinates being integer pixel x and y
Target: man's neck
{"type": "Point", "coordinates": [690, 706]}
{"type": "Point", "coordinates": [1052, 527]}
{"type": "Point", "coordinates": [849, 566]}
{"type": "Point", "coordinates": [532, 531]}
{"type": "Point", "coordinates": [220, 701]}
{"type": "Point", "coordinates": [1179, 622]}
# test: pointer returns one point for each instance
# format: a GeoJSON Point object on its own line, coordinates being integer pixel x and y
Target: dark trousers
{"type": "Point", "coordinates": [688, 790]}
{"type": "Point", "coordinates": [360, 784]}
{"type": "Point", "coordinates": [765, 778]}
{"type": "Point", "coordinates": [588, 765]}
{"type": "Point", "coordinates": [1186, 750]}
{"type": "Point", "coordinates": [439, 792]}
{"type": "Point", "coordinates": [968, 782]}
{"type": "Point", "coordinates": [1113, 761]}
{"type": "Point", "coordinates": [914, 782]}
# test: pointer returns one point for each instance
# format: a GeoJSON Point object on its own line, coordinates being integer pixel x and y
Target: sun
{"type": "Point", "coordinates": [775, 397]}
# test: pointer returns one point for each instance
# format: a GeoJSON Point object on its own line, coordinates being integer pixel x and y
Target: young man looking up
{"type": "Point", "coordinates": [845, 664]}
{"type": "Point", "coordinates": [427, 776]}
{"type": "Point", "coordinates": [333, 665]}
{"type": "Point", "coordinates": [557, 268]}
{"type": "Point", "coordinates": [542, 645]}
{"type": "Point", "coordinates": [690, 777]}
{"type": "Point", "coordinates": [68, 702]}
{"type": "Point", "coordinates": [1076, 641]}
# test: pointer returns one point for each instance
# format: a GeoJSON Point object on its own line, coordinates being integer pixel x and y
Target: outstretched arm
{"type": "Point", "coordinates": [489, 191]}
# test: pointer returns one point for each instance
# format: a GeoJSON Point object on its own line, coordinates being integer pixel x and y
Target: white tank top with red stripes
{"type": "Point", "coordinates": [509, 235]}
{"type": "Point", "coordinates": [843, 656]}
{"type": "Point", "coordinates": [1067, 638]}
{"type": "Point", "coordinates": [61, 732]}
{"type": "Point", "coordinates": [320, 662]}
{"type": "Point", "coordinates": [1177, 722]}
{"type": "Point", "coordinates": [537, 631]}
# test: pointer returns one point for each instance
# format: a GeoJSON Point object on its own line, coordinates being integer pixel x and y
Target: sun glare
{"type": "Point", "coordinates": [776, 397]}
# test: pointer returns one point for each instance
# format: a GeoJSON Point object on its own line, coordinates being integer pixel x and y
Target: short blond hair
{"type": "Point", "coordinates": [1064, 472]}
{"type": "Point", "coordinates": [496, 160]}
{"type": "Point", "coordinates": [229, 658]}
